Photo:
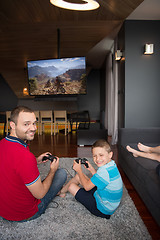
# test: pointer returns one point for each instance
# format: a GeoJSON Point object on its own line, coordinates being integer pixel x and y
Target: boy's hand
{"type": "Point", "coordinates": [77, 166]}
{"type": "Point", "coordinates": [91, 168]}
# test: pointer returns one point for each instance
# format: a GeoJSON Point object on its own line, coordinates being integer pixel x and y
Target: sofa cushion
{"type": "Point", "coordinates": [145, 170]}
{"type": "Point", "coordinates": [158, 170]}
{"type": "Point", "coordinates": [144, 162]}
{"type": "Point", "coordinates": [141, 171]}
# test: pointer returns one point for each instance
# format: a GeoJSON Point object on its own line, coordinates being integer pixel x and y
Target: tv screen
{"type": "Point", "coordinates": [64, 76]}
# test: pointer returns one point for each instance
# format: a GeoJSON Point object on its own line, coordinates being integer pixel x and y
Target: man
{"type": "Point", "coordinates": [23, 196]}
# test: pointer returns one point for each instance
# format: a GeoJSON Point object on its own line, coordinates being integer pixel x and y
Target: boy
{"type": "Point", "coordinates": [101, 194]}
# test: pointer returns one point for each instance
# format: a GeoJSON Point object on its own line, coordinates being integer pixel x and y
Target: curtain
{"type": "Point", "coordinates": [111, 101]}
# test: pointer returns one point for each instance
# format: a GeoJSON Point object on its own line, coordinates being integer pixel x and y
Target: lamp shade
{"type": "Point", "coordinates": [86, 5]}
{"type": "Point", "coordinates": [148, 48]}
{"type": "Point", "coordinates": [25, 92]}
{"type": "Point", "coordinates": [118, 55]}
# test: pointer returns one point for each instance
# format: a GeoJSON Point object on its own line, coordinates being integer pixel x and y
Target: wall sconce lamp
{"type": "Point", "coordinates": [118, 55]}
{"type": "Point", "coordinates": [25, 92]}
{"type": "Point", "coordinates": [148, 48]}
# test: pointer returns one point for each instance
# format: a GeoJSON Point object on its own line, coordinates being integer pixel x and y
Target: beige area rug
{"type": "Point", "coordinates": [66, 219]}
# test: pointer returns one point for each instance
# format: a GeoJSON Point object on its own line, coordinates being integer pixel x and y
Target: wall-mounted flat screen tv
{"type": "Point", "coordinates": [64, 76]}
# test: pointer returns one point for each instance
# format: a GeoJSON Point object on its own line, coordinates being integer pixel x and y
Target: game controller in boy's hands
{"type": "Point", "coordinates": [83, 161]}
{"type": "Point", "coordinates": [49, 157]}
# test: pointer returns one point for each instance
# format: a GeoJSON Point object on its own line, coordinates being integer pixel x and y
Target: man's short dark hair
{"type": "Point", "coordinates": [16, 111]}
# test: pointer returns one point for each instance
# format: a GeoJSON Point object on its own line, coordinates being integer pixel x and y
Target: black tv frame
{"type": "Point", "coordinates": [54, 61]}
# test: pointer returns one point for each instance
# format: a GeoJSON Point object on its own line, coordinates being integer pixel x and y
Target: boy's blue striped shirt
{"type": "Point", "coordinates": [109, 188]}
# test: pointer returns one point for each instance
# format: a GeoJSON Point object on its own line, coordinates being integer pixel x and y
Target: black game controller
{"type": "Point", "coordinates": [49, 157]}
{"type": "Point", "coordinates": [83, 161]}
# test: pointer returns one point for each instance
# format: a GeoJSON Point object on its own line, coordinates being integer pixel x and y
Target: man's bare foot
{"type": "Point", "coordinates": [143, 148]}
{"type": "Point", "coordinates": [135, 152]}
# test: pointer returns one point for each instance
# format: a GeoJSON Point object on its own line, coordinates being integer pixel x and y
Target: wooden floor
{"type": "Point", "coordinates": [66, 146]}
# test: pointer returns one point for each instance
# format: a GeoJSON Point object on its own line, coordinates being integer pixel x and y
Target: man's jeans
{"type": "Point", "coordinates": [58, 181]}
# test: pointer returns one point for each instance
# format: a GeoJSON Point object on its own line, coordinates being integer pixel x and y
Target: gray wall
{"type": "Point", "coordinates": [91, 101]}
{"type": "Point", "coordinates": [50, 104]}
{"type": "Point", "coordinates": [8, 100]}
{"type": "Point", "coordinates": [121, 79]}
{"type": "Point", "coordinates": [142, 74]}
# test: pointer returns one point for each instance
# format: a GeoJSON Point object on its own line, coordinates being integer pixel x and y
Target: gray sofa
{"type": "Point", "coordinates": [141, 171]}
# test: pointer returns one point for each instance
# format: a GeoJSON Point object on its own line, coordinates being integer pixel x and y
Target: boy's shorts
{"type": "Point", "coordinates": [87, 199]}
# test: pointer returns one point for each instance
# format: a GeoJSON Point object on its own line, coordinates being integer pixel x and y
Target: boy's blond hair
{"type": "Point", "coordinates": [103, 144]}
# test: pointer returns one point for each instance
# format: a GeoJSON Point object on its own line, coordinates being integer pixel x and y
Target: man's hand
{"type": "Point", "coordinates": [54, 165]}
{"type": "Point", "coordinates": [39, 188]}
{"type": "Point", "coordinates": [39, 159]}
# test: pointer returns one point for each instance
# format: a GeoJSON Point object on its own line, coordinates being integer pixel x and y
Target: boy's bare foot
{"type": "Point", "coordinates": [60, 194]}
{"type": "Point", "coordinates": [135, 152]}
{"type": "Point", "coordinates": [143, 148]}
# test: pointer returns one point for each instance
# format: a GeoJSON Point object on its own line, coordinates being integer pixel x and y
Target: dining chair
{"type": "Point", "coordinates": [82, 120]}
{"type": "Point", "coordinates": [8, 115]}
{"type": "Point", "coordinates": [37, 114]}
{"type": "Point", "coordinates": [46, 117]}
{"type": "Point", "coordinates": [3, 122]}
{"type": "Point", "coordinates": [60, 118]}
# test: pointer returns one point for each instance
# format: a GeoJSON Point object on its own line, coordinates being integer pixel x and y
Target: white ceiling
{"type": "Point", "coordinates": [147, 10]}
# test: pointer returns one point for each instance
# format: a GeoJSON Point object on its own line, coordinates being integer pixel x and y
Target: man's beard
{"type": "Point", "coordinates": [30, 136]}
{"type": "Point", "coordinates": [26, 136]}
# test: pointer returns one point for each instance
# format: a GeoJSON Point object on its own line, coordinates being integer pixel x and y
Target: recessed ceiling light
{"type": "Point", "coordinates": [86, 5]}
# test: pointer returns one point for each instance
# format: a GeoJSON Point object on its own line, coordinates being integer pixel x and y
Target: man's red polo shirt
{"type": "Point", "coordinates": [18, 168]}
